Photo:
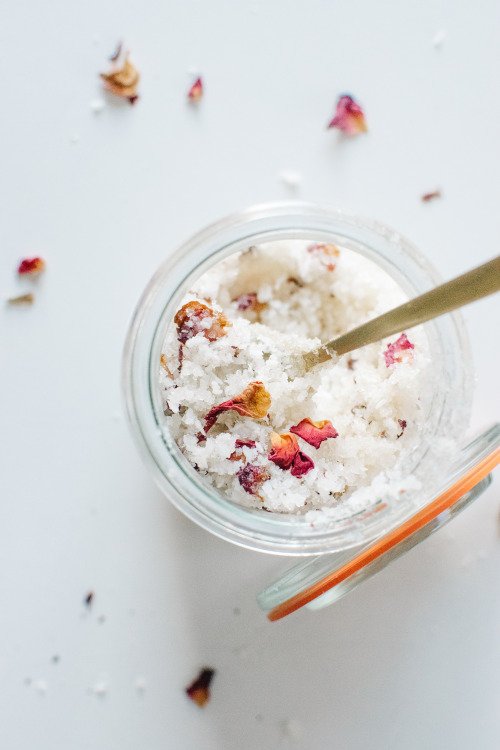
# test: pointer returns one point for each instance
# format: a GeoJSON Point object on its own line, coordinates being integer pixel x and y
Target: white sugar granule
{"type": "Point", "coordinates": [294, 299]}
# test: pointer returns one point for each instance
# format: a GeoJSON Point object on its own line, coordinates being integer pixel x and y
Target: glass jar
{"type": "Point", "coordinates": [254, 529]}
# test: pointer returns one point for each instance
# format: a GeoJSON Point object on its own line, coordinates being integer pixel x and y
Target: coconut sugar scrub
{"type": "Point", "coordinates": [243, 409]}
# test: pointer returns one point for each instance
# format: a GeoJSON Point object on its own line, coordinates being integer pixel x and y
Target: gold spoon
{"type": "Point", "coordinates": [470, 286]}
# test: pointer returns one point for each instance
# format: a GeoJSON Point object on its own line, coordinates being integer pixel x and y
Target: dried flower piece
{"type": "Point", "coordinates": [301, 465]}
{"type": "Point", "coordinates": [195, 317]}
{"type": "Point", "coordinates": [31, 266]}
{"type": "Point", "coordinates": [349, 117]}
{"type": "Point", "coordinates": [163, 363]}
{"type": "Point", "coordinates": [22, 299]}
{"type": "Point", "coordinates": [201, 437]}
{"type": "Point", "coordinates": [250, 302]}
{"type": "Point", "coordinates": [252, 477]}
{"type": "Point", "coordinates": [430, 196]}
{"type": "Point", "coordinates": [399, 351]}
{"type": "Point", "coordinates": [122, 80]}
{"type": "Point", "coordinates": [284, 448]}
{"type": "Point", "coordinates": [314, 432]}
{"type": "Point", "coordinates": [195, 93]}
{"type": "Point", "coordinates": [253, 402]}
{"type": "Point", "coordinates": [245, 443]}
{"type": "Point", "coordinates": [199, 690]}
{"type": "Point", "coordinates": [235, 456]}
{"type": "Point", "coordinates": [402, 423]}
{"type": "Point", "coordinates": [89, 598]}
{"type": "Point", "coordinates": [325, 251]}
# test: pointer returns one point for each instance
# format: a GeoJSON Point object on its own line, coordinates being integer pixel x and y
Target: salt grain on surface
{"type": "Point", "coordinates": [304, 297]}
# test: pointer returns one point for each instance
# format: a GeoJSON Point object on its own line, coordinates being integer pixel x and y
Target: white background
{"type": "Point", "coordinates": [411, 659]}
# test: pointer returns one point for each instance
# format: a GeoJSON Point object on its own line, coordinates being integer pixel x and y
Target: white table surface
{"type": "Point", "coordinates": [411, 659]}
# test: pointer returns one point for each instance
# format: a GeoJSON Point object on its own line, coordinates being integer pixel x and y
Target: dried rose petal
{"type": "Point", "coordinates": [163, 363]}
{"type": "Point", "coordinates": [284, 448]}
{"type": "Point", "coordinates": [245, 443]}
{"type": "Point", "coordinates": [325, 251]}
{"type": "Point", "coordinates": [426, 197]}
{"type": "Point", "coordinates": [395, 351]}
{"type": "Point", "coordinates": [250, 302]}
{"type": "Point", "coordinates": [199, 690]}
{"type": "Point", "coordinates": [22, 299]}
{"type": "Point", "coordinates": [189, 322]}
{"type": "Point", "coordinates": [301, 465]}
{"type": "Point", "coordinates": [237, 457]}
{"type": "Point", "coordinates": [349, 117]}
{"type": "Point", "coordinates": [31, 266]}
{"type": "Point", "coordinates": [252, 477]}
{"type": "Point", "coordinates": [196, 91]}
{"type": "Point", "coordinates": [201, 438]}
{"type": "Point", "coordinates": [253, 402]}
{"type": "Point", "coordinates": [402, 423]}
{"type": "Point", "coordinates": [314, 432]}
{"type": "Point", "coordinates": [122, 80]}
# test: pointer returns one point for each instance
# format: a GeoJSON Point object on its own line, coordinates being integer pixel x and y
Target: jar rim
{"type": "Point", "coordinates": [269, 532]}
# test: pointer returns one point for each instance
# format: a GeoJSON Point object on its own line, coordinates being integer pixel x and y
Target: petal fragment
{"type": "Point", "coordinates": [199, 690]}
{"type": "Point", "coordinates": [252, 477]}
{"type": "Point", "coordinates": [399, 351]}
{"type": "Point", "coordinates": [194, 317]}
{"type": "Point", "coordinates": [31, 266]}
{"type": "Point", "coordinates": [349, 117]}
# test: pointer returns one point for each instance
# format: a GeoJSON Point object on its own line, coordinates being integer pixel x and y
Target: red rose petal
{"type": "Point", "coordinates": [252, 477]}
{"type": "Point", "coordinates": [301, 465]}
{"type": "Point", "coordinates": [284, 448]}
{"type": "Point", "coordinates": [349, 117]}
{"type": "Point", "coordinates": [196, 91]}
{"type": "Point", "coordinates": [31, 266]}
{"type": "Point", "coordinates": [244, 443]}
{"type": "Point", "coordinates": [395, 351]}
{"type": "Point", "coordinates": [314, 432]}
{"type": "Point", "coordinates": [253, 402]}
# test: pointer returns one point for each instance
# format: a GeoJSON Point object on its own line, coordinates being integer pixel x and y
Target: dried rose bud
{"type": "Point", "coordinates": [22, 299]}
{"type": "Point", "coordinates": [253, 402]}
{"type": "Point", "coordinates": [284, 448]}
{"type": "Point", "coordinates": [195, 93]}
{"type": "Point", "coordinates": [301, 465]}
{"type": "Point", "coordinates": [250, 302]}
{"type": "Point", "coordinates": [31, 266]}
{"type": "Point", "coordinates": [189, 321]}
{"type": "Point", "coordinates": [199, 690]}
{"type": "Point", "coordinates": [325, 251]}
{"type": "Point", "coordinates": [163, 363]}
{"type": "Point", "coordinates": [426, 197]}
{"type": "Point", "coordinates": [252, 477]}
{"type": "Point", "coordinates": [399, 351]}
{"type": "Point", "coordinates": [245, 443]}
{"type": "Point", "coordinates": [349, 117]}
{"type": "Point", "coordinates": [314, 432]}
{"type": "Point", "coordinates": [402, 423]}
{"type": "Point", "coordinates": [122, 80]}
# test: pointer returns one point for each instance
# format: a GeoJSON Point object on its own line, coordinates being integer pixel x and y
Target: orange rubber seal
{"type": "Point", "coordinates": [444, 501]}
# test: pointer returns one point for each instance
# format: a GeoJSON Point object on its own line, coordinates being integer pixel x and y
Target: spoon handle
{"type": "Point", "coordinates": [470, 286]}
